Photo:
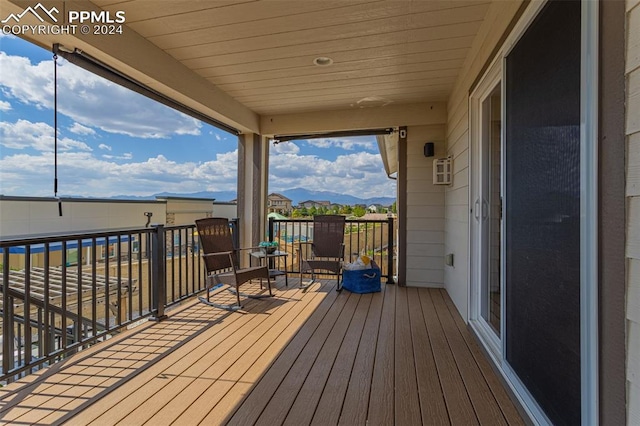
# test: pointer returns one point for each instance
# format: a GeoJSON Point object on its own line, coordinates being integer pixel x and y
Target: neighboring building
{"type": "Point", "coordinates": [317, 204]}
{"type": "Point", "coordinates": [26, 216]}
{"type": "Point", "coordinates": [278, 203]}
{"type": "Point", "coordinates": [184, 210]}
{"type": "Point", "coordinates": [376, 208]}
{"type": "Point", "coordinates": [38, 216]}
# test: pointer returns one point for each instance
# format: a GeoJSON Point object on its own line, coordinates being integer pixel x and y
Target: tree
{"type": "Point", "coordinates": [394, 208]}
{"type": "Point", "coordinates": [296, 213]}
{"type": "Point", "coordinates": [359, 211]}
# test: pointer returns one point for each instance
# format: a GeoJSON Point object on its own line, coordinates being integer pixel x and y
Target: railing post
{"type": "Point", "coordinates": [390, 250]}
{"type": "Point", "coordinates": [235, 232]}
{"type": "Point", "coordinates": [158, 270]}
{"type": "Point", "coordinates": [7, 317]}
{"type": "Point", "coordinates": [271, 236]}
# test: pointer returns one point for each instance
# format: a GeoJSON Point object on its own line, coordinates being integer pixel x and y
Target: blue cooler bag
{"type": "Point", "coordinates": [362, 281]}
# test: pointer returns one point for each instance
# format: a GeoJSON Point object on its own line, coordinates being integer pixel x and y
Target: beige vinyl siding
{"type": "Point", "coordinates": [456, 232]}
{"type": "Point", "coordinates": [633, 205]}
{"type": "Point", "coordinates": [425, 209]}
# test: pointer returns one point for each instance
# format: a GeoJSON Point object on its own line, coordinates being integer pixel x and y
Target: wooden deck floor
{"type": "Point", "coordinates": [402, 357]}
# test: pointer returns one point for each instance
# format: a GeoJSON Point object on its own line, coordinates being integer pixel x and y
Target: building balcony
{"type": "Point", "coordinates": [78, 346]}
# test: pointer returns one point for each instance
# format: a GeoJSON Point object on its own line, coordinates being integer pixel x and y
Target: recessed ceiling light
{"type": "Point", "coordinates": [322, 61]}
{"type": "Point", "coordinates": [372, 101]}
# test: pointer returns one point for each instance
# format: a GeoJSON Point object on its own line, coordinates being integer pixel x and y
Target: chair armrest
{"type": "Point", "coordinates": [249, 248]}
{"type": "Point", "coordinates": [222, 253]}
{"type": "Point", "coordinates": [300, 243]}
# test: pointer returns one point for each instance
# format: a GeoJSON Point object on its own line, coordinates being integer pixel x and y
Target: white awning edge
{"type": "Point", "coordinates": [388, 146]}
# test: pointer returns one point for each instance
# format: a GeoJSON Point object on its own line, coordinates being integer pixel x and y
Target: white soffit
{"type": "Point", "coordinates": [237, 59]}
{"type": "Point", "coordinates": [261, 52]}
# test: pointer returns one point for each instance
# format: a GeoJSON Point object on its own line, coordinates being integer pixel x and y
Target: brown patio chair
{"type": "Point", "coordinates": [327, 247]}
{"type": "Point", "coordinates": [221, 261]}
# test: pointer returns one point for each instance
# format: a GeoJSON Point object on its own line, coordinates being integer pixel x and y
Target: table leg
{"type": "Point", "coordinates": [286, 272]}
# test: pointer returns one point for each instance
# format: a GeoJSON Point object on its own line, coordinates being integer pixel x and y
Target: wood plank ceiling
{"type": "Point", "coordinates": [262, 52]}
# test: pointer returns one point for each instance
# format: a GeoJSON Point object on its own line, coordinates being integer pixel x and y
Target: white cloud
{"type": "Point", "coordinates": [358, 142]}
{"type": "Point", "coordinates": [125, 156]}
{"type": "Point", "coordinates": [79, 129]}
{"type": "Point", "coordinates": [83, 174]}
{"type": "Point", "coordinates": [39, 136]}
{"type": "Point", "coordinates": [284, 148]}
{"type": "Point", "coordinates": [359, 174]}
{"type": "Point", "coordinates": [94, 103]}
{"type": "Point", "coordinates": [91, 100]}
{"type": "Point", "coordinates": [5, 106]}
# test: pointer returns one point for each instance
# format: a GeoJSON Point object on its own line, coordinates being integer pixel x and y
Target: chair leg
{"type": "Point", "coordinates": [268, 285]}
{"type": "Point", "coordinates": [313, 279]}
{"type": "Point", "coordinates": [238, 295]}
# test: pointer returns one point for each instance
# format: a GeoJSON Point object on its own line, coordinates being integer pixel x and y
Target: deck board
{"type": "Point", "coordinates": [381, 410]}
{"type": "Point", "coordinates": [356, 402]}
{"type": "Point", "coordinates": [497, 389]}
{"type": "Point", "coordinates": [403, 356]}
{"type": "Point", "coordinates": [455, 394]}
{"type": "Point", "coordinates": [241, 387]}
{"type": "Point", "coordinates": [261, 394]}
{"type": "Point", "coordinates": [330, 405]}
{"type": "Point", "coordinates": [484, 404]}
{"type": "Point", "coordinates": [407, 402]}
{"type": "Point", "coordinates": [307, 398]}
{"type": "Point", "coordinates": [432, 404]}
{"type": "Point", "coordinates": [276, 410]}
{"type": "Point", "coordinates": [212, 386]}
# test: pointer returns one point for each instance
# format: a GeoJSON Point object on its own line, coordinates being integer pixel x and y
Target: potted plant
{"type": "Point", "coordinates": [269, 247]}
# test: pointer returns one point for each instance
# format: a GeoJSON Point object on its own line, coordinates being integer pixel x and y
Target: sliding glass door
{"type": "Point", "coordinates": [542, 210]}
{"type": "Point", "coordinates": [527, 227]}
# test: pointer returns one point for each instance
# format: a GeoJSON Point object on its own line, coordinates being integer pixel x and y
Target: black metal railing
{"type": "Point", "coordinates": [374, 238]}
{"type": "Point", "coordinates": [60, 294]}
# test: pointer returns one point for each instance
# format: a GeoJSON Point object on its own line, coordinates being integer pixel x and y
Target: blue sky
{"type": "Point", "coordinates": [113, 141]}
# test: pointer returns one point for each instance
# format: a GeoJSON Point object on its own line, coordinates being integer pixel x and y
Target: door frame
{"type": "Point", "coordinates": [492, 77]}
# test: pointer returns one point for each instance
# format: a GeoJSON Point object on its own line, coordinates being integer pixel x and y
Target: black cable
{"type": "Point", "coordinates": [55, 130]}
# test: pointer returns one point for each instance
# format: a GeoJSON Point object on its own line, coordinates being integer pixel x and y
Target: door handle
{"type": "Point", "coordinates": [485, 209]}
{"type": "Point", "coordinates": [476, 209]}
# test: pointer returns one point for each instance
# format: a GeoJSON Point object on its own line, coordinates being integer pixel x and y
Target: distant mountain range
{"type": "Point", "coordinates": [297, 195]}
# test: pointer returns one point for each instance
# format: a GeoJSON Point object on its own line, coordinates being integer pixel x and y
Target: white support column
{"type": "Point", "coordinates": [253, 172]}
